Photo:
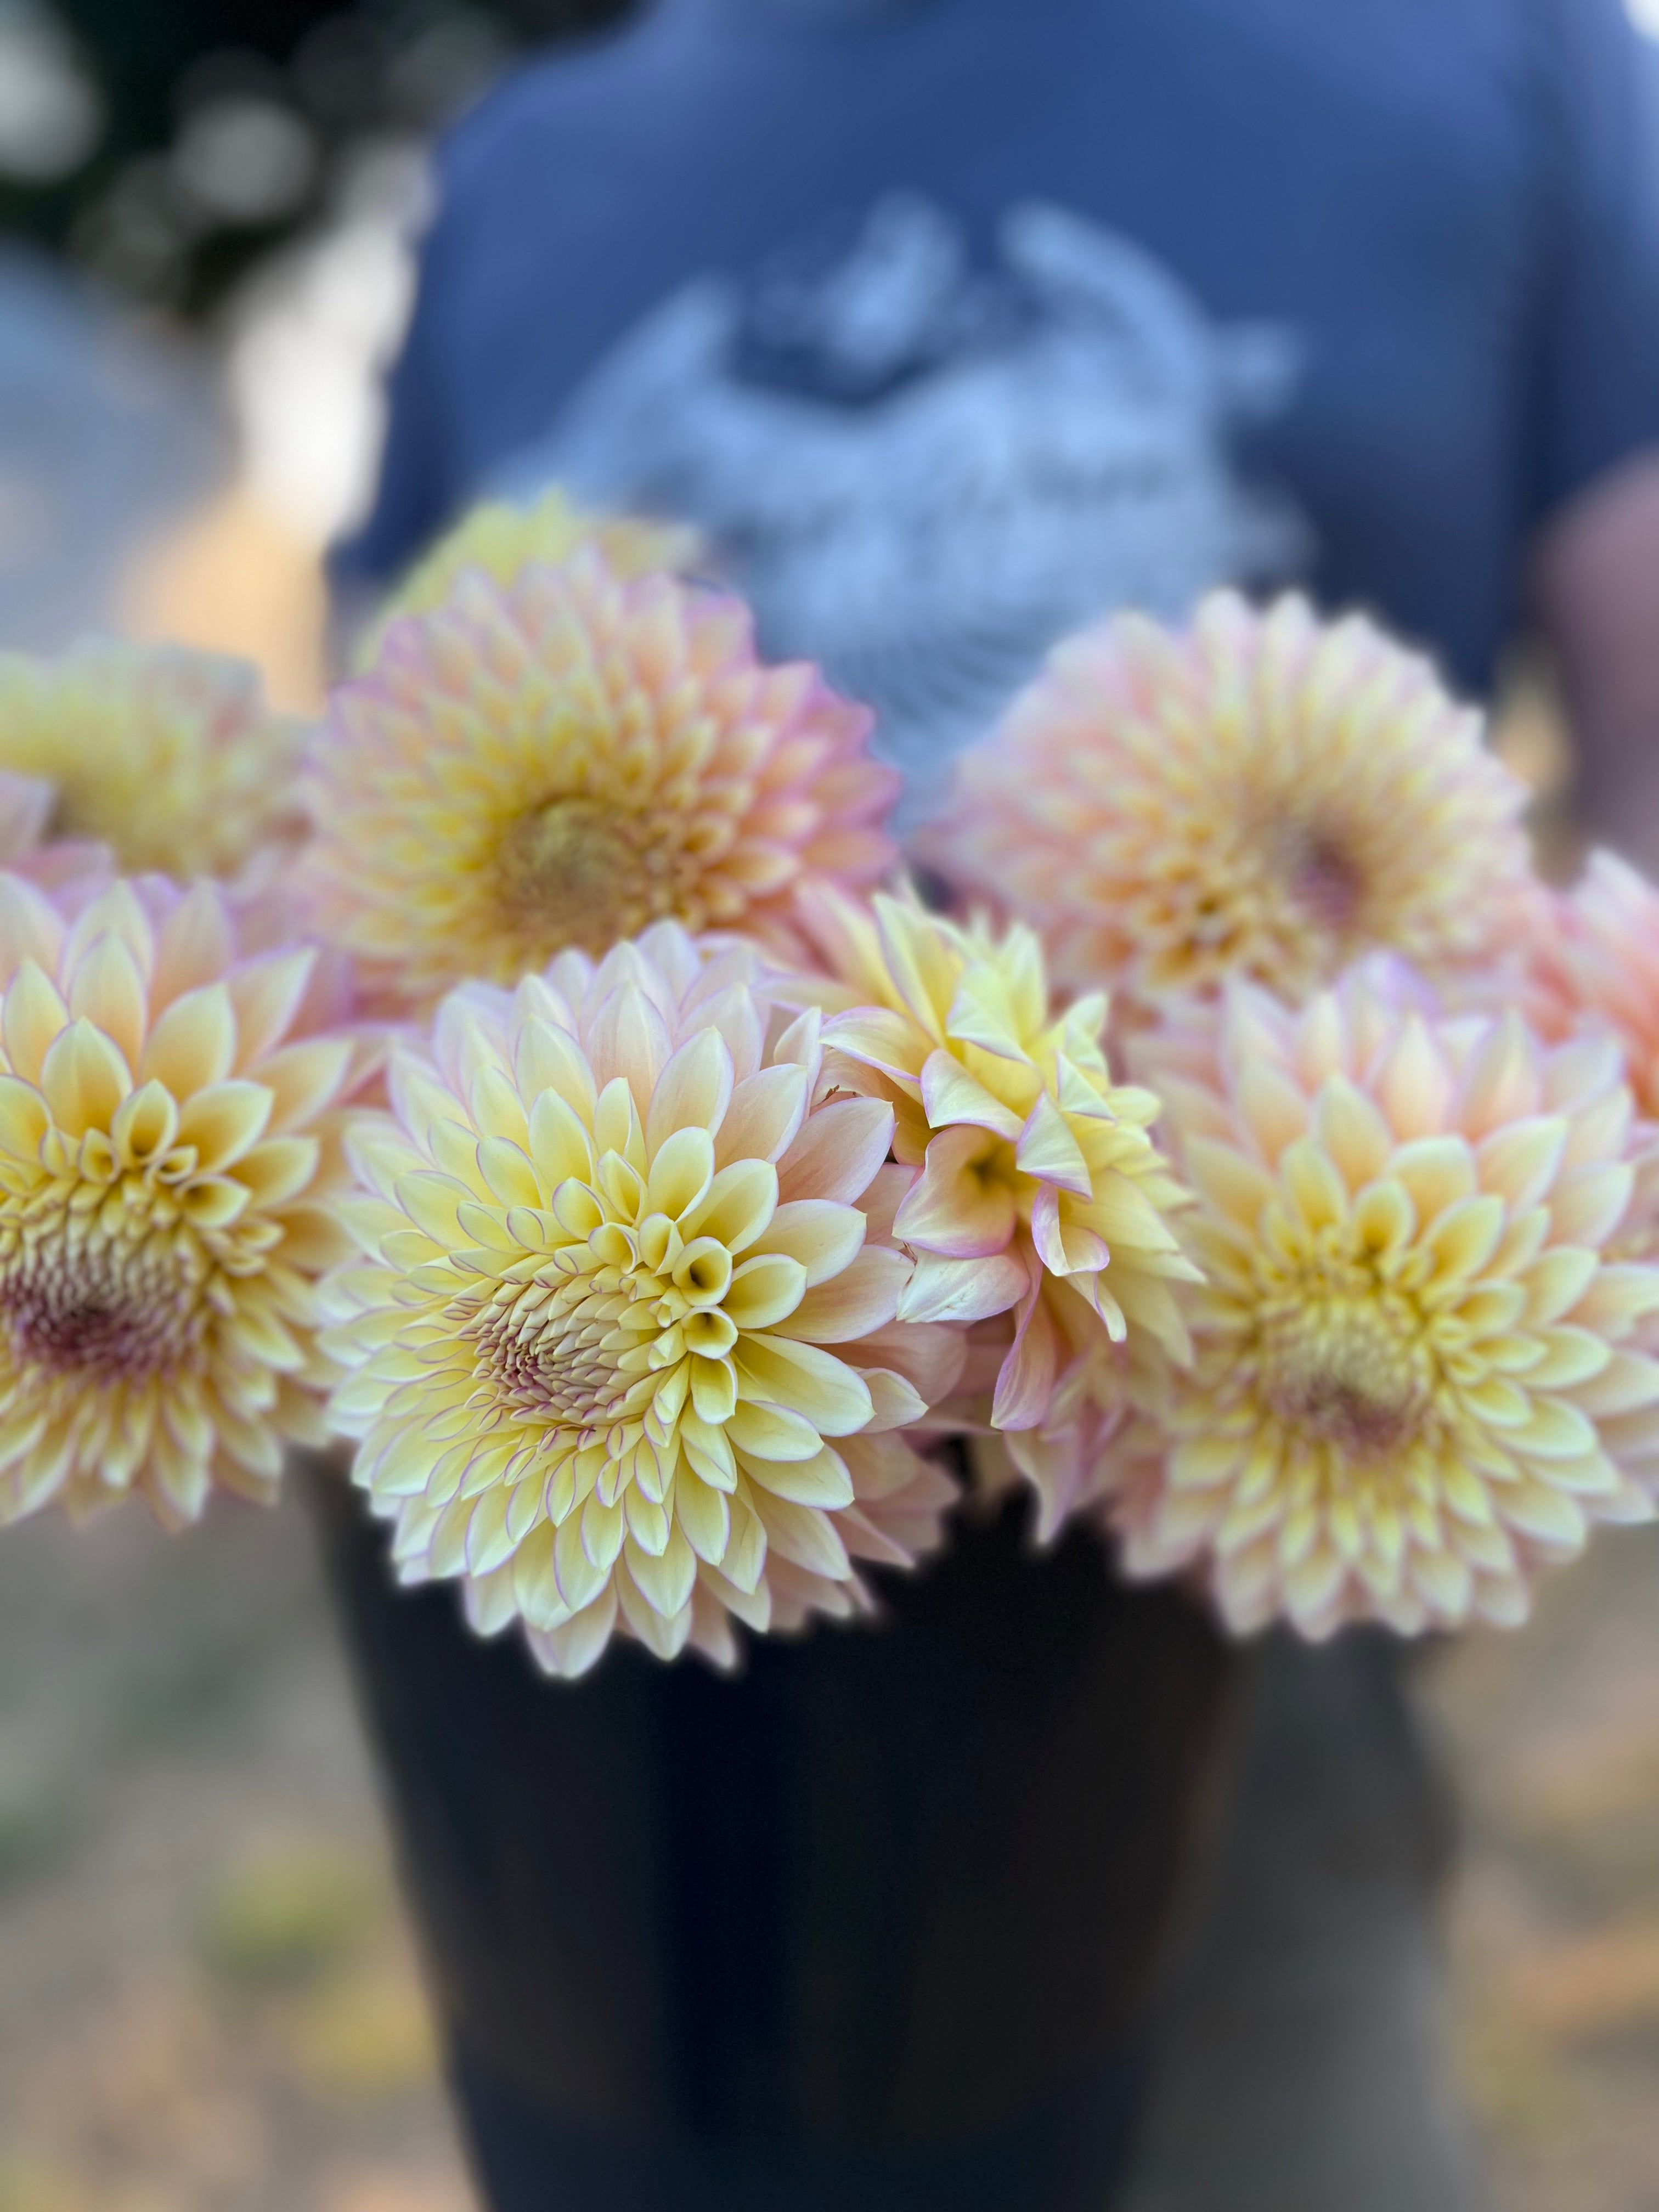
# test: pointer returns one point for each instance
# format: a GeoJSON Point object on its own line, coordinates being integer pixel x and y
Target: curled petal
{"type": "Point", "coordinates": [960, 1207]}
{"type": "Point", "coordinates": [946, 1290]}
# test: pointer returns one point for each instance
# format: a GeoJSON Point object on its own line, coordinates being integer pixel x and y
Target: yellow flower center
{"type": "Point", "coordinates": [1351, 1371]}
{"type": "Point", "coordinates": [588, 871]}
{"type": "Point", "coordinates": [591, 1351]}
{"type": "Point", "coordinates": [101, 1289]}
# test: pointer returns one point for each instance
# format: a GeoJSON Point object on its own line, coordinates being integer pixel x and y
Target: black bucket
{"type": "Point", "coordinates": [873, 1924]}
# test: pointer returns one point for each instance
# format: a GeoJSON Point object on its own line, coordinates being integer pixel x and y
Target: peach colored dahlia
{"type": "Point", "coordinates": [624, 1339]}
{"type": "Point", "coordinates": [1595, 961]}
{"type": "Point", "coordinates": [1262, 795]}
{"type": "Point", "coordinates": [170, 757]}
{"type": "Point", "coordinates": [504, 540]}
{"type": "Point", "coordinates": [1041, 1196]}
{"type": "Point", "coordinates": [564, 760]}
{"type": "Point", "coordinates": [1418, 1372]}
{"type": "Point", "coordinates": [169, 1165]}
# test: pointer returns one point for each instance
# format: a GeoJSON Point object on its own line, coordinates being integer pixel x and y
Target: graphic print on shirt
{"type": "Point", "coordinates": [922, 473]}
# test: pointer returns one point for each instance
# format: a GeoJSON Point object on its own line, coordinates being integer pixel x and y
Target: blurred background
{"type": "Point", "coordinates": [207, 209]}
{"type": "Point", "coordinates": [207, 2002]}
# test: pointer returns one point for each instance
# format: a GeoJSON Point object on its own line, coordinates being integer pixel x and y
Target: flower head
{"type": "Point", "coordinates": [1041, 1196]}
{"type": "Point", "coordinates": [1594, 960]}
{"type": "Point", "coordinates": [169, 1162]}
{"type": "Point", "coordinates": [1263, 795]}
{"type": "Point", "coordinates": [504, 540]}
{"type": "Point", "coordinates": [170, 757]}
{"type": "Point", "coordinates": [65, 866]}
{"type": "Point", "coordinates": [1417, 1371]}
{"type": "Point", "coordinates": [625, 1342]}
{"type": "Point", "coordinates": [565, 760]}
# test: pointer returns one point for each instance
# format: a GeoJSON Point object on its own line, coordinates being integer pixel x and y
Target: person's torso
{"type": "Point", "coordinates": [955, 322]}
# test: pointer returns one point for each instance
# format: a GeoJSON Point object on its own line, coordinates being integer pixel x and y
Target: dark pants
{"type": "Point", "coordinates": [1303, 2061]}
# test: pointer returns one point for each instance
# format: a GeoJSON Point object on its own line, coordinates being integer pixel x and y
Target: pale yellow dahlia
{"type": "Point", "coordinates": [504, 539]}
{"type": "Point", "coordinates": [169, 1166]}
{"type": "Point", "coordinates": [1263, 795]}
{"type": "Point", "coordinates": [171, 758]}
{"type": "Point", "coordinates": [566, 759]}
{"type": "Point", "coordinates": [62, 865]}
{"type": "Point", "coordinates": [624, 1336]}
{"type": "Point", "coordinates": [1041, 1196]}
{"type": "Point", "coordinates": [1418, 1373]}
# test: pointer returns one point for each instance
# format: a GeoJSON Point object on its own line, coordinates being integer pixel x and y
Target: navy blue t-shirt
{"type": "Point", "coordinates": [956, 322]}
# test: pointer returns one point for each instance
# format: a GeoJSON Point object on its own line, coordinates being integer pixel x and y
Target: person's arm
{"type": "Point", "coordinates": [1593, 465]}
{"type": "Point", "coordinates": [1595, 596]}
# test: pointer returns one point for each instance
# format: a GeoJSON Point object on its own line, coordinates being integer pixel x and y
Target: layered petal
{"type": "Point", "coordinates": [1422, 1350]}
{"type": "Point", "coordinates": [566, 756]}
{"type": "Point", "coordinates": [170, 758]}
{"type": "Point", "coordinates": [628, 1311]}
{"type": "Point", "coordinates": [1263, 795]}
{"type": "Point", "coordinates": [160, 1245]}
{"type": "Point", "coordinates": [1042, 1207]}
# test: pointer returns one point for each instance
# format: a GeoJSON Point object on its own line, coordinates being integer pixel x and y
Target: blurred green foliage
{"type": "Point", "coordinates": [34, 1824]}
{"type": "Point", "coordinates": [287, 1912]}
{"type": "Point", "coordinates": [163, 210]}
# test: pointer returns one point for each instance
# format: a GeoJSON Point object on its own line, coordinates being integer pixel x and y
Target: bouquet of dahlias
{"type": "Point", "coordinates": [537, 1093]}
{"type": "Point", "coordinates": [526, 1075]}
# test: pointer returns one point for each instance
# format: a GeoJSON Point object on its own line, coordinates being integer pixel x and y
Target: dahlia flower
{"type": "Point", "coordinates": [1418, 1372]}
{"type": "Point", "coordinates": [170, 757]}
{"type": "Point", "coordinates": [1041, 1194]}
{"type": "Point", "coordinates": [564, 760]}
{"type": "Point", "coordinates": [504, 539]}
{"type": "Point", "coordinates": [624, 1345]}
{"type": "Point", "coordinates": [1595, 960]}
{"type": "Point", "coordinates": [59, 864]}
{"type": "Point", "coordinates": [1263, 795]}
{"type": "Point", "coordinates": [169, 1165]}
